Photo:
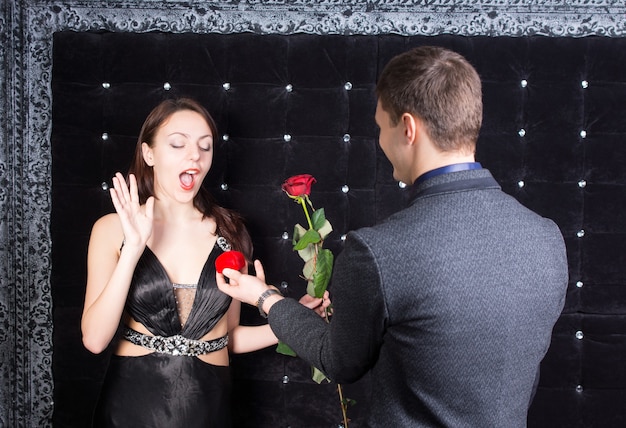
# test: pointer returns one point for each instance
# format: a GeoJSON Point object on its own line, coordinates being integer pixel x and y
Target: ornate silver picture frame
{"type": "Point", "coordinates": [26, 30]}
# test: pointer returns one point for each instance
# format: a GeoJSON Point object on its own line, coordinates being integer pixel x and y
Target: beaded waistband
{"type": "Point", "coordinates": [175, 345]}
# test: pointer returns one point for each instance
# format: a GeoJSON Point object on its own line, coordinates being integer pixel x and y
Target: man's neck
{"type": "Point", "coordinates": [447, 169]}
{"type": "Point", "coordinates": [441, 160]}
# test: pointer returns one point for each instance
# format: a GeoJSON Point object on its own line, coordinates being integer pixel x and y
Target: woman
{"type": "Point", "coordinates": [151, 265]}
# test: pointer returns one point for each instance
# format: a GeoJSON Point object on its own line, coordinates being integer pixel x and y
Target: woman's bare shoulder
{"type": "Point", "coordinates": [111, 220]}
{"type": "Point", "coordinates": [108, 227]}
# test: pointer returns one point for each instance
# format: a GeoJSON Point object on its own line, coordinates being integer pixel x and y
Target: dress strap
{"type": "Point", "coordinates": [175, 345]}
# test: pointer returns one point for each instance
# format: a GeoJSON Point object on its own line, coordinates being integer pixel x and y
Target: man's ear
{"type": "Point", "coordinates": [146, 151]}
{"type": "Point", "coordinates": [411, 128]}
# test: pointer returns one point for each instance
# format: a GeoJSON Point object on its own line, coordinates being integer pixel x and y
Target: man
{"type": "Point", "coordinates": [450, 303]}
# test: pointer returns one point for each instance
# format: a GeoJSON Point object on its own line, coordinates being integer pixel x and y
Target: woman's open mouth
{"type": "Point", "coordinates": [188, 179]}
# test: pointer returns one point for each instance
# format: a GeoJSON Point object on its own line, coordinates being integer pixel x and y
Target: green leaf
{"type": "Point", "coordinates": [283, 348]}
{"type": "Point", "coordinates": [307, 253]}
{"type": "Point", "coordinates": [349, 402]}
{"type": "Point", "coordinates": [325, 230]}
{"type": "Point", "coordinates": [318, 376]}
{"type": "Point", "coordinates": [298, 232]}
{"type": "Point", "coordinates": [323, 271]}
{"type": "Point", "coordinates": [310, 288]}
{"type": "Point", "coordinates": [309, 269]}
{"type": "Point", "coordinates": [318, 218]}
{"type": "Point", "coordinates": [310, 237]}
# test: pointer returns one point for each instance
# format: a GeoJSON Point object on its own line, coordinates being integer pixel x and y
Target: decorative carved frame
{"type": "Point", "coordinates": [26, 29]}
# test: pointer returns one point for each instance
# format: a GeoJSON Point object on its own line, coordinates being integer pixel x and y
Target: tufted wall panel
{"type": "Point", "coordinates": [554, 136]}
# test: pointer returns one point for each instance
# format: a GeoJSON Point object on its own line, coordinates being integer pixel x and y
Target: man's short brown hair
{"type": "Point", "coordinates": [440, 87]}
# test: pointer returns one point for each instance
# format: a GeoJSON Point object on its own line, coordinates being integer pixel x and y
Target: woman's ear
{"type": "Point", "coordinates": [146, 151]}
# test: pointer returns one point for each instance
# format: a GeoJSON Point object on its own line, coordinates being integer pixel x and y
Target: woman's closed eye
{"type": "Point", "coordinates": [205, 143]}
{"type": "Point", "coordinates": [177, 144]}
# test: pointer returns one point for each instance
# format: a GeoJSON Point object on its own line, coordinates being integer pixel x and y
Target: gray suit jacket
{"type": "Point", "coordinates": [450, 305]}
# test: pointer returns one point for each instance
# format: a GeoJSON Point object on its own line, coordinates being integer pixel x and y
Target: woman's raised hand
{"type": "Point", "coordinates": [136, 219]}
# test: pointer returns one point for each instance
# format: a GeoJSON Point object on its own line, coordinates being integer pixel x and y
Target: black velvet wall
{"type": "Point", "coordinates": [554, 136]}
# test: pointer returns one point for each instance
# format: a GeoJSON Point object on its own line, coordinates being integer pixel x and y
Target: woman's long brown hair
{"type": "Point", "coordinates": [229, 224]}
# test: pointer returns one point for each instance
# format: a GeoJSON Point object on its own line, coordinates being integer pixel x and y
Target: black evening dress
{"type": "Point", "coordinates": [160, 390]}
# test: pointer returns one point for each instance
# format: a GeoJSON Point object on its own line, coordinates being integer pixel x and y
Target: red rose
{"type": "Point", "coordinates": [299, 185]}
{"type": "Point", "coordinates": [231, 260]}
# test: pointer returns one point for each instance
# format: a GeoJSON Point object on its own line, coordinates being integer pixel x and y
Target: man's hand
{"type": "Point", "coordinates": [248, 288]}
{"type": "Point", "coordinates": [320, 305]}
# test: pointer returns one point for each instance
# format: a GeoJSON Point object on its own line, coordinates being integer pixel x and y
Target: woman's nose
{"type": "Point", "coordinates": [194, 151]}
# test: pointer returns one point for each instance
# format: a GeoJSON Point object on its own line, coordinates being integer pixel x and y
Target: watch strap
{"type": "Point", "coordinates": [262, 297]}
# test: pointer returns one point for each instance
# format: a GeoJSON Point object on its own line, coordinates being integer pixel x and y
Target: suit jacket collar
{"type": "Point", "coordinates": [454, 182]}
